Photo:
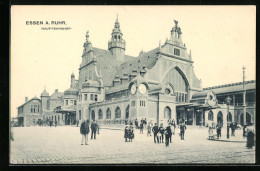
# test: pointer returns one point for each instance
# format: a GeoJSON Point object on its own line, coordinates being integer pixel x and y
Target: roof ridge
{"type": "Point", "coordinates": [228, 85]}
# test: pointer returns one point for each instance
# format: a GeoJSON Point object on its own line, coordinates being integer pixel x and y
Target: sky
{"type": "Point", "coordinates": [221, 39]}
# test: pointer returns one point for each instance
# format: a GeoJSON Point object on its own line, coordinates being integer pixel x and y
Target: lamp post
{"type": "Point", "coordinates": [228, 100]}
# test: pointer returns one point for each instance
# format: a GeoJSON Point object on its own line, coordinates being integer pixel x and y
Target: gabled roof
{"type": "Point", "coordinates": [107, 64]}
{"type": "Point", "coordinates": [233, 87]}
{"type": "Point", "coordinates": [34, 98]}
{"type": "Point", "coordinates": [144, 60]}
{"type": "Point", "coordinates": [56, 95]}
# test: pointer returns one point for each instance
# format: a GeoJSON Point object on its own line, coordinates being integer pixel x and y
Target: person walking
{"type": "Point", "coordinates": [161, 130]}
{"type": "Point", "coordinates": [77, 123]}
{"type": "Point", "coordinates": [182, 130]}
{"type": "Point", "coordinates": [93, 129]}
{"type": "Point", "coordinates": [149, 130]}
{"type": "Point", "coordinates": [155, 132]}
{"type": "Point", "coordinates": [145, 123]}
{"type": "Point", "coordinates": [168, 133]}
{"type": "Point", "coordinates": [233, 128]}
{"type": "Point", "coordinates": [141, 128]}
{"type": "Point", "coordinates": [84, 130]}
{"type": "Point", "coordinates": [218, 130]}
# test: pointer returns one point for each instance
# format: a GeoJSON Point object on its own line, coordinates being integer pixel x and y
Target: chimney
{"type": "Point", "coordinates": [26, 99]}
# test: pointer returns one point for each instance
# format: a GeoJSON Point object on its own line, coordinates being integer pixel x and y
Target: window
{"type": "Point", "coordinates": [133, 103]}
{"type": "Point", "coordinates": [79, 114]}
{"type": "Point", "coordinates": [108, 114]}
{"type": "Point", "coordinates": [91, 97]}
{"type": "Point", "coordinates": [71, 102]}
{"type": "Point", "coordinates": [85, 97]}
{"type": "Point", "coordinates": [186, 97]}
{"type": "Point", "coordinates": [100, 114]}
{"type": "Point", "coordinates": [48, 104]}
{"type": "Point", "coordinates": [95, 98]}
{"type": "Point", "coordinates": [118, 113]}
{"type": "Point", "coordinates": [167, 91]}
{"type": "Point", "coordinates": [75, 102]}
{"type": "Point", "coordinates": [177, 97]}
{"type": "Point", "coordinates": [67, 102]}
{"type": "Point", "coordinates": [176, 52]}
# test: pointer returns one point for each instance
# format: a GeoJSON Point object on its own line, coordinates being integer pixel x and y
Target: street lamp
{"type": "Point", "coordinates": [228, 99]}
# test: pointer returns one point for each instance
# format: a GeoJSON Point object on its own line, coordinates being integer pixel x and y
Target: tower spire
{"type": "Point", "coordinates": [87, 36]}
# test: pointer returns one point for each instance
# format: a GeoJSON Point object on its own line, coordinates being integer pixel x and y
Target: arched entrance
{"type": "Point", "coordinates": [167, 113]}
{"type": "Point", "coordinates": [248, 118]}
{"type": "Point", "coordinates": [127, 112]}
{"type": "Point", "coordinates": [100, 114]}
{"type": "Point", "coordinates": [117, 112]}
{"type": "Point", "coordinates": [229, 117]}
{"type": "Point", "coordinates": [108, 114]}
{"type": "Point", "coordinates": [93, 115]}
{"type": "Point", "coordinates": [220, 117]}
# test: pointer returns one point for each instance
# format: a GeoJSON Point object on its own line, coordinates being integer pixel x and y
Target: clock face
{"type": "Point", "coordinates": [142, 88]}
{"type": "Point", "coordinates": [133, 89]}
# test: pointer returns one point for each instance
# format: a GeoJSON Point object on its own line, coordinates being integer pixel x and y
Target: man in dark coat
{"type": "Point", "coordinates": [155, 132]}
{"type": "Point", "coordinates": [84, 130]}
{"type": "Point", "coordinates": [141, 128]}
{"type": "Point", "coordinates": [182, 130]}
{"type": "Point", "coordinates": [168, 133]}
{"type": "Point", "coordinates": [219, 130]}
{"type": "Point", "coordinates": [93, 129]}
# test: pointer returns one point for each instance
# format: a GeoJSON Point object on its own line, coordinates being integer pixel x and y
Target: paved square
{"type": "Point", "coordinates": [62, 145]}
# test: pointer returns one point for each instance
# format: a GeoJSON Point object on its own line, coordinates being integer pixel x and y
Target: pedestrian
{"type": "Point", "coordinates": [93, 129]}
{"type": "Point", "coordinates": [149, 130]}
{"type": "Point", "coordinates": [50, 123]}
{"type": "Point", "coordinates": [131, 133]}
{"type": "Point", "coordinates": [136, 123]}
{"type": "Point", "coordinates": [56, 123]}
{"type": "Point", "coordinates": [210, 132]}
{"type": "Point", "coordinates": [218, 130]}
{"type": "Point", "coordinates": [250, 138]}
{"type": "Point", "coordinates": [233, 129]}
{"type": "Point", "coordinates": [155, 132]}
{"type": "Point", "coordinates": [141, 128]}
{"type": "Point", "coordinates": [168, 133]}
{"type": "Point", "coordinates": [77, 123]}
{"type": "Point", "coordinates": [182, 130]}
{"type": "Point", "coordinates": [145, 123]}
{"type": "Point", "coordinates": [161, 130]}
{"type": "Point", "coordinates": [84, 130]}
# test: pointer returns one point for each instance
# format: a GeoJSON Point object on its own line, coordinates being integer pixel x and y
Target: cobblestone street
{"type": "Point", "coordinates": [62, 145]}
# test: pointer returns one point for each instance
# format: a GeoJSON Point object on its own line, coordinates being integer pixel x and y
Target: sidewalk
{"type": "Point", "coordinates": [238, 138]}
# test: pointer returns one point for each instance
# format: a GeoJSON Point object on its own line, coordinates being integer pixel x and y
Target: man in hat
{"type": "Point", "coordinates": [84, 130]}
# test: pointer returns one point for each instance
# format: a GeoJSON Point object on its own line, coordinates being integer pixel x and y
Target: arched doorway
{"type": "Point", "coordinates": [167, 113]}
{"type": "Point", "coordinates": [220, 117]}
{"type": "Point", "coordinates": [229, 117]}
{"type": "Point", "coordinates": [100, 114]}
{"type": "Point", "coordinates": [93, 115]}
{"type": "Point", "coordinates": [127, 112]}
{"type": "Point", "coordinates": [108, 114]}
{"type": "Point", "coordinates": [210, 116]}
{"type": "Point", "coordinates": [117, 112]}
{"type": "Point", "coordinates": [248, 118]}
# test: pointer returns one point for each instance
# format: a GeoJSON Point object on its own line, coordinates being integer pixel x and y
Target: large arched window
{"type": "Point", "coordinates": [118, 112]}
{"type": "Point", "coordinates": [100, 114]}
{"type": "Point", "coordinates": [167, 113]}
{"type": "Point", "coordinates": [210, 115]}
{"type": "Point", "coordinates": [220, 117]}
{"type": "Point", "coordinates": [248, 119]}
{"type": "Point", "coordinates": [177, 79]}
{"type": "Point", "coordinates": [108, 114]}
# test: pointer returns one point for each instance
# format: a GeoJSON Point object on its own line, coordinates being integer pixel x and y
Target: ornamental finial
{"type": "Point", "coordinates": [87, 35]}
{"type": "Point", "coordinates": [176, 23]}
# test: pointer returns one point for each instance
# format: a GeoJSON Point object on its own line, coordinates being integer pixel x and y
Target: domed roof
{"type": "Point", "coordinates": [90, 83]}
{"type": "Point", "coordinates": [45, 93]}
{"type": "Point", "coordinates": [71, 91]}
{"type": "Point", "coordinates": [35, 98]}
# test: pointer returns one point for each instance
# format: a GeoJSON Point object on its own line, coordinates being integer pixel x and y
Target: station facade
{"type": "Point", "coordinates": [157, 85]}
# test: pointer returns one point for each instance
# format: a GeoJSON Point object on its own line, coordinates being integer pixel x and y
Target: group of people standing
{"type": "Point", "coordinates": [85, 129]}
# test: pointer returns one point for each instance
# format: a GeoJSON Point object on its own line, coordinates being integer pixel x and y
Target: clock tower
{"type": "Point", "coordinates": [138, 98]}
